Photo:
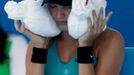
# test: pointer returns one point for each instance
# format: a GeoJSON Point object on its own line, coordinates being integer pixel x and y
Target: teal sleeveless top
{"type": "Point", "coordinates": [55, 66]}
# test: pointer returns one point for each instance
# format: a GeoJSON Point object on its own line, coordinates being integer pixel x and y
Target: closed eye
{"type": "Point", "coordinates": [52, 5]}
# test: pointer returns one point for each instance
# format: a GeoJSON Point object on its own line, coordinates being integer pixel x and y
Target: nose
{"type": "Point", "coordinates": [61, 13]}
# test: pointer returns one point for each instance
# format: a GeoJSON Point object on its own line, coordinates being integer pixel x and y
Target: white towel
{"type": "Point", "coordinates": [36, 17]}
{"type": "Point", "coordinates": [77, 21]}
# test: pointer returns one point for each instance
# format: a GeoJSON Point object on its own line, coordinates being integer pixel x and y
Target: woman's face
{"type": "Point", "coordinates": [60, 15]}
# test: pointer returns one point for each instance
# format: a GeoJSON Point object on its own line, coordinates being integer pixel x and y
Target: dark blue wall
{"type": "Point", "coordinates": [7, 24]}
{"type": "Point", "coordinates": [122, 19]}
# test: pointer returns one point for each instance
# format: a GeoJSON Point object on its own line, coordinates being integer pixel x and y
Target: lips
{"type": "Point", "coordinates": [61, 22]}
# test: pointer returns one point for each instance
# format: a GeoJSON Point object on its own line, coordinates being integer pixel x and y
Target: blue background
{"type": "Point", "coordinates": [122, 19]}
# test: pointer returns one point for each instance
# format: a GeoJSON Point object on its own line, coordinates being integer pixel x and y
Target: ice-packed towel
{"type": "Point", "coordinates": [81, 10]}
{"type": "Point", "coordinates": [36, 17]}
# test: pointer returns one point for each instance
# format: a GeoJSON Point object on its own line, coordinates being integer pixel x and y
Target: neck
{"type": "Point", "coordinates": [67, 47]}
{"type": "Point", "coordinates": [66, 37]}
{"type": "Point", "coordinates": [65, 40]}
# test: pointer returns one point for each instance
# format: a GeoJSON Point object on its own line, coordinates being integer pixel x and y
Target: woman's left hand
{"type": "Point", "coordinates": [95, 28]}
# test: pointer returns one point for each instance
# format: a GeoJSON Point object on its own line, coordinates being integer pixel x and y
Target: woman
{"type": "Point", "coordinates": [108, 45]}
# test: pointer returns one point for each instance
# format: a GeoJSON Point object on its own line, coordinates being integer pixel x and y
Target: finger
{"type": "Point", "coordinates": [95, 23]}
{"type": "Point", "coordinates": [94, 15]}
{"type": "Point", "coordinates": [16, 25]}
{"type": "Point", "coordinates": [19, 27]}
{"type": "Point", "coordinates": [102, 28]}
{"type": "Point", "coordinates": [26, 31]}
{"type": "Point", "coordinates": [100, 18]}
{"type": "Point", "coordinates": [23, 29]}
{"type": "Point", "coordinates": [90, 25]}
{"type": "Point", "coordinates": [89, 22]}
{"type": "Point", "coordinates": [106, 19]}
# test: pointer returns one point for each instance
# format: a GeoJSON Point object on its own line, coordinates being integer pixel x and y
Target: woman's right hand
{"type": "Point", "coordinates": [37, 40]}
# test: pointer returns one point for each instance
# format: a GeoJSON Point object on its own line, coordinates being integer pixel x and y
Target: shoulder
{"type": "Point", "coordinates": [109, 48]}
{"type": "Point", "coordinates": [110, 35]}
{"type": "Point", "coordinates": [109, 40]}
{"type": "Point", "coordinates": [113, 32]}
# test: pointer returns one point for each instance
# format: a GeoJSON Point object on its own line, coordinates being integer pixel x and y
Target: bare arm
{"type": "Point", "coordinates": [36, 41]}
{"type": "Point", "coordinates": [33, 68]}
{"type": "Point", "coordinates": [110, 55]}
{"type": "Point", "coordinates": [110, 47]}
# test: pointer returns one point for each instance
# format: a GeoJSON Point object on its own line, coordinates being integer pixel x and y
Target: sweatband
{"type": "Point", "coordinates": [39, 55]}
{"type": "Point", "coordinates": [60, 2]}
{"type": "Point", "coordinates": [85, 55]}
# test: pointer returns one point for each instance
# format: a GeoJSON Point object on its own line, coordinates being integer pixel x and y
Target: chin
{"type": "Point", "coordinates": [63, 27]}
